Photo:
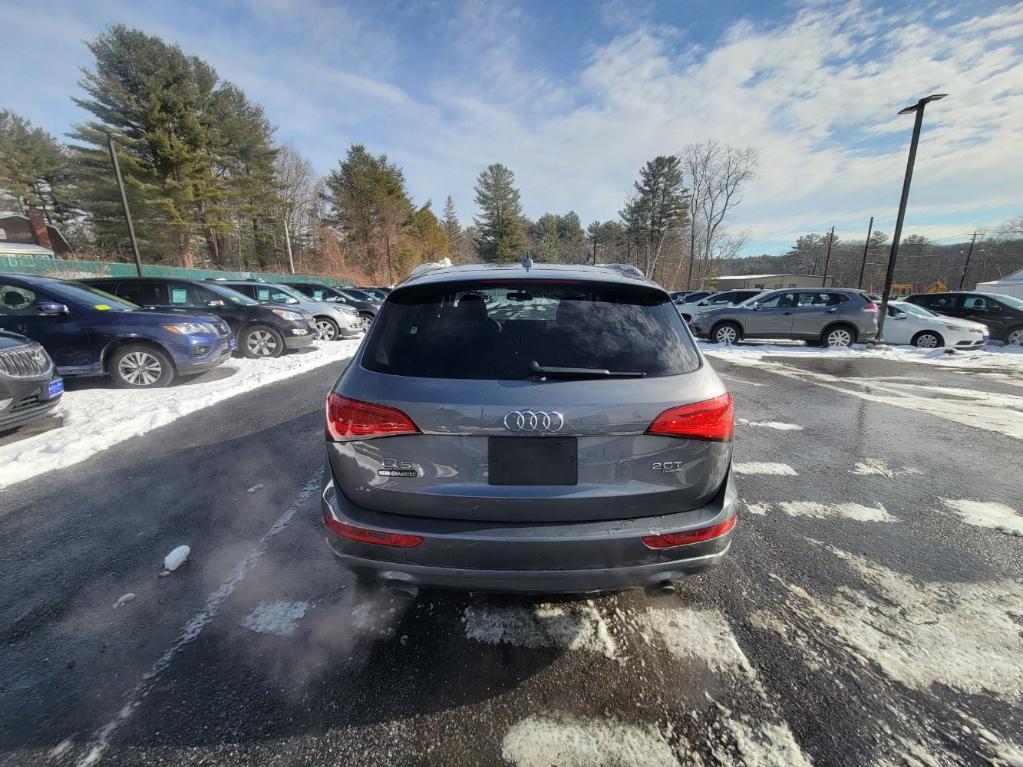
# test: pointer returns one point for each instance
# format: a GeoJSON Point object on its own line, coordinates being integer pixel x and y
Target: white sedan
{"type": "Point", "coordinates": [911, 324]}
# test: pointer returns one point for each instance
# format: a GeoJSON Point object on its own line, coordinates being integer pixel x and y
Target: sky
{"type": "Point", "coordinates": [575, 96]}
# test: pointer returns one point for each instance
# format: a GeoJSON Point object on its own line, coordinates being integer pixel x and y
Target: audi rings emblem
{"type": "Point", "coordinates": [534, 420]}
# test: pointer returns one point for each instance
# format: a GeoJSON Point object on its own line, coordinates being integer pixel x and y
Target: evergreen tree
{"type": "Point", "coordinates": [450, 222]}
{"type": "Point", "coordinates": [499, 224]}
{"type": "Point", "coordinates": [656, 207]}
{"type": "Point", "coordinates": [367, 198]}
{"type": "Point", "coordinates": [35, 171]}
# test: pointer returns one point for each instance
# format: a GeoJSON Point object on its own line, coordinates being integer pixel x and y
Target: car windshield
{"type": "Point", "coordinates": [229, 294]}
{"type": "Point", "coordinates": [1012, 302]}
{"type": "Point", "coordinates": [86, 295]}
{"type": "Point", "coordinates": [617, 329]}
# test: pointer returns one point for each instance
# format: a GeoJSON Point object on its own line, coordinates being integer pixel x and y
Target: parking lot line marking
{"type": "Point", "coordinates": [194, 627]}
{"type": "Point", "coordinates": [741, 380]}
{"type": "Point", "coordinates": [764, 467]}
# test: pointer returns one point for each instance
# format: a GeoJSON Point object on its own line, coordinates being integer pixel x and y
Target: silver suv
{"type": "Point", "coordinates": [543, 429]}
{"type": "Point", "coordinates": [828, 316]}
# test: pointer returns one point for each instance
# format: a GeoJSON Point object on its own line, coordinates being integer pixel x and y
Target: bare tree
{"type": "Point", "coordinates": [717, 175]}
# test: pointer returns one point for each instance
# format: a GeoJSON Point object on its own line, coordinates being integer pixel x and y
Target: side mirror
{"type": "Point", "coordinates": [756, 306]}
{"type": "Point", "coordinates": [702, 303]}
{"type": "Point", "coordinates": [54, 310]}
{"type": "Point", "coordinates": [900, 316]}
{"type": "Point", "coordinates": [214, 303]}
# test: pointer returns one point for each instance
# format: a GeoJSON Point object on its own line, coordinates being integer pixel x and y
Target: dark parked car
{"type": "Point", "coordinates": [29, 386]}
{"type": "Point", "coordinates": [90, 332]}
{"type": "Point", "coordinates": [828, 316]}
{"type": "Point", "coordinates": [565, 435]}
{"type": "Point", "coordinates": [366, 305]}
{"type": "Point", "coordinates": [332, 322]}
{"type": "Point", "coordinates": [380, 293]}
{"type": "Point", "coordinates": [1003, 315]}
{"type": "Point", "coordinates": [262, 331]}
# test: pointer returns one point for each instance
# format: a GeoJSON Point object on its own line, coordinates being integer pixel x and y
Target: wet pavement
{"type": "Point", "coordinates": [870, 611]}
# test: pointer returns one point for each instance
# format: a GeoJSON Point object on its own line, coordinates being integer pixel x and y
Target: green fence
{"type": "Point", "coordinates": [71, 269]}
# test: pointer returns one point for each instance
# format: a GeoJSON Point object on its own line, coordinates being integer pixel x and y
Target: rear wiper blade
{"type": "Point", "coordinates": [536, 370]}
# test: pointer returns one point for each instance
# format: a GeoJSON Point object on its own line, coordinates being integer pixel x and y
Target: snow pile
{"type": "Point", "coordinates": [541, 742]}
{"type": "Point", "coordinates": [571, 627]}
{"type": "Point", "coordinates": [991, 356]}
{"type": "Point", "coordinates": [176, 558]}
{"type": "Point", "coordinates": [99, 417]}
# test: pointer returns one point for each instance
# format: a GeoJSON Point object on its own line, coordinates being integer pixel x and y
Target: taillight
{"type": "Point", "coordinates": [349, 419]}
{"type": "Point", "coordinates": [686, 537]}
{"type": "Point", "coordinates": [710, 420]}
{"type": "Point", "coordinates": [366, 535]}
{"type": "Point", "coordinates": [871, 307]}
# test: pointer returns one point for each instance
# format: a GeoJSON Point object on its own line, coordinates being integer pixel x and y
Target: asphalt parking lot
{"type": "Point", "coordinates": [870, 611]}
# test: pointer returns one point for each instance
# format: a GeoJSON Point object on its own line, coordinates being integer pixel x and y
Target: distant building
{"type": "Point", "coordinates": [771, 281]}
{"type": "Point", "coordinates": [19, 230]}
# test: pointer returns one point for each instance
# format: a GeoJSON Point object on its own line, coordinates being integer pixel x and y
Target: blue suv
{"type": "Point", "coordinates": [88, 332]}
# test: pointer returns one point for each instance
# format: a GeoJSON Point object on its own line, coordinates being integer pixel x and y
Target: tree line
{"type": "Point", "coordinates": [210, 186]}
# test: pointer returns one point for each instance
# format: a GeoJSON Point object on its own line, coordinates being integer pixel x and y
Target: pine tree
{"type": "Point", "coordinates": [499, 223]}
{"type": "Point", "coordinates": [367, 198]}
{"type": "Point", "coordinates": [450, 222]}
{"type": "Point", "coordinates": [35, 171]}
{"type": "Point", "coordinates": [656, 207]}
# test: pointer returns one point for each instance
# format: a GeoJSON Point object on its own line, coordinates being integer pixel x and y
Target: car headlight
{"type": "Point", "coordinates": [284, 314]}
{"type": "Point", "coordinates": [190, 328]}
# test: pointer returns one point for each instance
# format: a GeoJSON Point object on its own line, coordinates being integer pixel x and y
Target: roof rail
{"type": "Point", "coordinates": [627, 270]}
{"type": "Point", "coordinates": [444, 263]}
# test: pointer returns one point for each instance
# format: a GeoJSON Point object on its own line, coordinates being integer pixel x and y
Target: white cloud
{"type": "Point", "coordinates": [816, 91]}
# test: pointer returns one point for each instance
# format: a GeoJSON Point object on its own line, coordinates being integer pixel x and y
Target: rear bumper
{"type": "Point", "coordinates": [533, 558]}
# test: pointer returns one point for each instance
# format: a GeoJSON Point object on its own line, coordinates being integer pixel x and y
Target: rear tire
{"type": "Point", "coordinates": [327, 329]}
{"type": "Point", "coordinates": [139, 366]}
{"type": "Point", "coordinates": [928, 339]}
{"type": "Point", "coordinates": [1014, 336]}
{"type": "Point", "coordinates": [366, 319]}
{"type": "Point", "coordinates": [726, 333]}
{"type": "Point", "coordinates": [261, 341]}
{"type": "Point", "coordinates": [839, 336]}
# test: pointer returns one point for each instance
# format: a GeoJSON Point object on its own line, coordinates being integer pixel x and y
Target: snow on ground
{"type": "Point", "coordinates": [996, 516]}
{"type": "Point", "coordinates": [961, 634]}
{"type": "Point", "coordinates": [879, 467]}
{"type": "Point", "coordinates": [578, 626]}
{"type": "Point", "coordinates": [777, 425]}
{"type": "Point", "coordinates": [541, 742]}
{"type": "Point", "coordinates": [764, 467]}
{"type": "Point", "coordinates": [999, 357]}
{"type": "Point", "coordinates": [97, 416]}
{"type": "Point", "coordinates": [277, 618]}
{"type": "Point", "coordinates": [854, 511]}
{"type": "Point", "coordinates": [701, 634]}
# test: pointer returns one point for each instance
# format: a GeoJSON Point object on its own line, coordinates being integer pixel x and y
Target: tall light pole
{"type": "Point", "coordinates": [918, 108]}
{"type": "Point", "coordinates": [124, 203]}
{"type": "Point", "coordinates": [827, 258]}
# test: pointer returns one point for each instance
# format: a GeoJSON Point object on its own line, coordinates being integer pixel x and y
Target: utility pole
{"type": "Point", "coordinates": [918, 108]}
{"type": "Point", "coordinates": [390, 275]}
{"type": "Point", "coordinates": [594, 251]}
{"type": "Point", "coordinates": [287, 246]}
{"type": "Point", "coordinates": [866, 247]}
{"type": "Point", "coordinates": [124, 203]}
{"type": "Point", "coordinates": [827, 258]}
{"type": "Point", "coordinates": [962, 280]}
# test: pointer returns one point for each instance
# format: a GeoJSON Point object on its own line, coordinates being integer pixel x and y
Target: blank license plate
{"type": "Point", "coordinates": [56, 387]}
{"type": "Point", "coordinates": [533, 461]}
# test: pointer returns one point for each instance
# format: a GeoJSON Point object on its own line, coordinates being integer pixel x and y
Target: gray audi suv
{"type": "Point", "coordinates": [544, 429]}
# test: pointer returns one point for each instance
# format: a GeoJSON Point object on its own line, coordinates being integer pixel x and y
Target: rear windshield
{"type": "Point", "coordinates": [495, 331]}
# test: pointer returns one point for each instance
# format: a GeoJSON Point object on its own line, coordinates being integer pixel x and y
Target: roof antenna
{"type": "Point", "coordinates": [527, 262]}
